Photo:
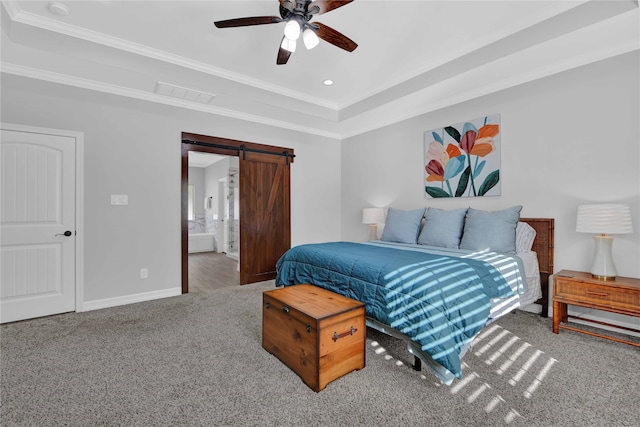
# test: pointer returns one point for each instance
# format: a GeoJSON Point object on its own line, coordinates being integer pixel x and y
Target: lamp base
{"type": "Point", "coordinates": [603, 267]}
{"type": "Point", "coordinates": [373, 231]}
{"type": "Point", "coordinates": [604, 278]}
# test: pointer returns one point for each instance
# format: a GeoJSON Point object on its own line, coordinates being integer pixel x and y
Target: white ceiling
{"type": "Point", "coordinates": [413, 56]}
{"type": "Point", "coordinates": [203, 160]}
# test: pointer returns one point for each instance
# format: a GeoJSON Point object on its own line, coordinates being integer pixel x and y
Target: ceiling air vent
{"type": "Point", "coordinates": [168, 89]}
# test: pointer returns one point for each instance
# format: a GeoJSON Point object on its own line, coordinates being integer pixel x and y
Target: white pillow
{"type": "Point", "coordinates": [525, 234]}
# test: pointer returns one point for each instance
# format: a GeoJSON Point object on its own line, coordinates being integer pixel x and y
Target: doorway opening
{"type": "Point", "coordinates": [213, 221]}
{"type": "Point", "coordinates": [258, 186]}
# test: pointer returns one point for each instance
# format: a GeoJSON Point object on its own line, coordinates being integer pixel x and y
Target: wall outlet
{"type": "Point", "coordinates": [144, 273]}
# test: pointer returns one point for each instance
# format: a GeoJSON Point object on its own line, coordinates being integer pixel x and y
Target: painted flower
{"type": "Point", "coordinates": [435, 171]}
{"type": "Point", "coordinates": [443, 164]}
{"type": "Point", "coordinates": [480, 143]}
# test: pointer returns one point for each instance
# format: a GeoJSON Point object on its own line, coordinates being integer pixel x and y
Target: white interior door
{"type": "Point", "coordinates": [38, 224]}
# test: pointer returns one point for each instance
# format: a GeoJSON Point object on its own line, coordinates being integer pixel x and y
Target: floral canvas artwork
{"type": "Point", "coordinates": [463, 160]}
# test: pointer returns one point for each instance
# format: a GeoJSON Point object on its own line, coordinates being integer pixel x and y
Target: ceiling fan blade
{"type": "Point", "coordinates": [332, 36]}
{"type": "Point", "coordinates": [325, 6]}
{"type": "Point", "coordinates": [288, 4]}
{"type": "Point", "coordinates": [245, 22]}
{"type": "Point", "coordinates": [283, 55]}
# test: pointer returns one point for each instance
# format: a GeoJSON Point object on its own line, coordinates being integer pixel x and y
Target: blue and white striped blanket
{"type": "Point", "coordinates": [438, 301]}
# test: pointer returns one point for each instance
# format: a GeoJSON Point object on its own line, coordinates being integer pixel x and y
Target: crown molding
{"type": "Point", "coordinates": [622, 36]}
{"type": "Point", "coordinates": [27, 18]}
{"type": "Point", "coordinates": [507, 30]}
{"type": "Point", "coordinates": [413, 105]}
{"type": "Point", "coordinates": [42, 22]}
{"type": "Point", "coordinates": [67, 80]}
{"type": "Point", "coordinates": [12, 8]}
{"type": "Point", "coordinates": [367, 122]}
{"type": "Point", "coordinates": [394, 115]}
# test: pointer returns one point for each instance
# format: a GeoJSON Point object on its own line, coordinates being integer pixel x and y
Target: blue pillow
{"type": "Point", "coordinates": [402, 226]}
{"type": "Point", "coordinates": [494, 231]}
{"type": "Point", "coordinates": [442, 228]}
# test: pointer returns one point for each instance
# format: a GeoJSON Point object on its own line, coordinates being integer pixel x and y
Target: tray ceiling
{"type": "Point", "coordinates": [413, 56]}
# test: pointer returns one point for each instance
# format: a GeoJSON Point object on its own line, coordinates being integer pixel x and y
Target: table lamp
{"type": "Point", "coordinates": [604, 219]}
{"type": "Point", "coordinates": [373, 217]}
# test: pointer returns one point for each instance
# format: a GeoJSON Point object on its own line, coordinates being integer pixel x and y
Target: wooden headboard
{"type": "Point", "coordinates": [543, 246]}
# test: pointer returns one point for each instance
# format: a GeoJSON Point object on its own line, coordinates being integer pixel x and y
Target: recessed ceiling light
{"type": "Point", "coordinates": [328, 82]}
{"type": "Point", "coordinates": [58, 9]}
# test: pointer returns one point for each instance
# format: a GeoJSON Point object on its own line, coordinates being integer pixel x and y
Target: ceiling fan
{"type": "Point", "coordinates": [298, 14]}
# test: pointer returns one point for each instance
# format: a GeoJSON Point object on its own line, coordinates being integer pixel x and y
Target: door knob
{"type": "Point", "coordinates": [66, 233]}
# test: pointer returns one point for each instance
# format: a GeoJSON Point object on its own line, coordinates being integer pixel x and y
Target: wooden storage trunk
{"type": "Point", "coordinates": [318, 334]}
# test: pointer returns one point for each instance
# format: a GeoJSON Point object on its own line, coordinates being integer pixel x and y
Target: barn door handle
{"type": "Point", "coordinates": [66, 233]}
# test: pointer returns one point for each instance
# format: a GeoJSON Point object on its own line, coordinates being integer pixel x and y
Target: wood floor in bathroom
{"type": "Point", "coordinates": [212, 270]}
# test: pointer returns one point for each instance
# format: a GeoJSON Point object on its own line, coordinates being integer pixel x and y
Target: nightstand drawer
{"type": "Point", "coordinates": [598, 294]}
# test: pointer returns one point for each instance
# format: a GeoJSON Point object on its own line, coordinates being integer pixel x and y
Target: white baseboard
{"type": "Point", "coordinates": [129, 299]}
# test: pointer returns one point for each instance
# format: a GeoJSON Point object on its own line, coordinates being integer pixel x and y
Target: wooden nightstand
{"type": "Point", "coordinates": [580, 288]}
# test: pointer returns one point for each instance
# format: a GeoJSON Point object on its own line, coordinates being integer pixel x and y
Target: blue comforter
{"type": "Point", "coordinates": [440, 302]}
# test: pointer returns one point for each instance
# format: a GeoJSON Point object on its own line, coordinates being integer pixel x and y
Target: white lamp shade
{"type": "Point", "coordinates": [310, 38]}
{"type": "Point", "coordinates": [373, 216]}
{"type": "Point", "coordinates": [604, 219]}
{"type": "Point", "coordinates": [289, 45]}
{"type": "Point", "coordinates": [292, 30]}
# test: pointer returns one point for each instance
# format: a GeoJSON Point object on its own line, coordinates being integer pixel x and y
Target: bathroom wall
{"type": "Point", "coordinates": [196, 178]}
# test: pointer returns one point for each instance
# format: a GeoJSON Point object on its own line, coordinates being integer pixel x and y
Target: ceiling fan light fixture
{"type": "Point", "coordinates": [310, 38]}
{"type": "Point", "coordinates": [297, 16]}
{"type": "Point", "coordinates": [288, 44]}
{"type": "Point", "coordinates": [292, 30]}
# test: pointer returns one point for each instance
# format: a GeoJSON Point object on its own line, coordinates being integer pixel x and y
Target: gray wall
{"type": "Point", "coordinates": [133, 147]}
{"type": "Point", "coordinates": [212, 174]}
{"type": "Point", "coordinates": [196, 178]}
{"type": "Point", "coordinates": [567, 139]}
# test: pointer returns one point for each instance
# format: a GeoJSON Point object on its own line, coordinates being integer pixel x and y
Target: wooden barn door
{"type": "Point", "coordinates": [265, 232]}
{"type": "Point", "coordinates": [265, 213]}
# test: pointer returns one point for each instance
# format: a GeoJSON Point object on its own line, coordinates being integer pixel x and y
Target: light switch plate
{"type": "Point", "coordinates": [119, 199]}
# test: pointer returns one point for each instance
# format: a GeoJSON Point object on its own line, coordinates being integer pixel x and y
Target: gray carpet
{"type": "Point", "coordinates": [197, 360]}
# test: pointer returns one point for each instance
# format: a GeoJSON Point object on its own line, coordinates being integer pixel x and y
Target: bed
{"type": "Point", "coordinates": [435, 298]}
